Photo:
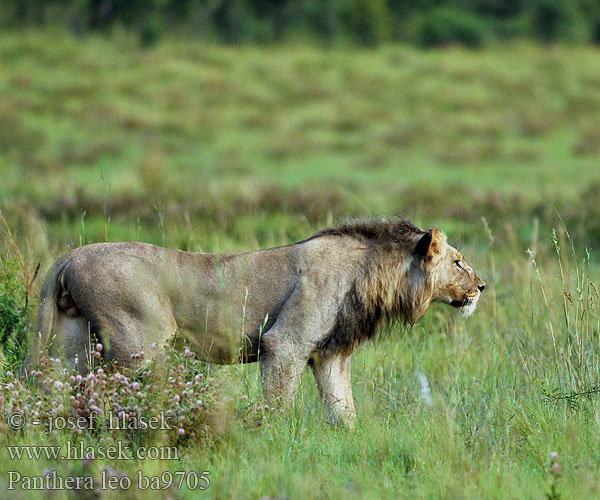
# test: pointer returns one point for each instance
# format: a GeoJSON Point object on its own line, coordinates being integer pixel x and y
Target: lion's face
{"type": "Point", "coordinates": [455, 281]}
{"type": "Point", "coordinates": [457, 284]}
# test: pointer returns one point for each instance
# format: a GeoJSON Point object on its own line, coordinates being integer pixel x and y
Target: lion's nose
{"type": "Point", "coordinates": [481, 287]}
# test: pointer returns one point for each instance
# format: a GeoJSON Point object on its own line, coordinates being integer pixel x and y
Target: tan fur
{"type": "Point", "coordinates": [311, 303]}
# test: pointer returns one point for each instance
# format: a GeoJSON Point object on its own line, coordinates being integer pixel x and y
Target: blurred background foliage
{"type": "Point", "coordinates": [205, 146]}
{"type": "Point", "coordinates": [364, 22]}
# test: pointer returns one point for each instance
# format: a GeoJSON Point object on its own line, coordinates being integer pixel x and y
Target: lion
{"type": "Point", "coordinates": [309, 303]}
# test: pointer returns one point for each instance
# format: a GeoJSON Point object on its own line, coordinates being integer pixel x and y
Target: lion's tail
{"type": "Point", "coordinates": [46, 312]}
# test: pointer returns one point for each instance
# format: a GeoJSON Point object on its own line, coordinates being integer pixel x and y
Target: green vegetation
{"type": "Point", "coordinates": [220, 149]}
{"type": "Point", "coordinates": [364, 22]}
{"type": "Point", "coordinates": [13, 315]}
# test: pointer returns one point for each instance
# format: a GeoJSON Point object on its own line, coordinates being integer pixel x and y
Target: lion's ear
{"type": "Point", "coordinates": [431, 245]}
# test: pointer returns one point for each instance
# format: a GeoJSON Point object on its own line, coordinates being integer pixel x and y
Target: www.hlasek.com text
{"type": "Point", "coordinates": [79, 451]}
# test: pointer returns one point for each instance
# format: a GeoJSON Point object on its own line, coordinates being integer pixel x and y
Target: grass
{"type": "Point", "coordinates": [220, 149]}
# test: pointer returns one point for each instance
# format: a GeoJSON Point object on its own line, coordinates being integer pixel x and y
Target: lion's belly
{"type": "Point", "coordinates": [225, 336]}
{"type": "Point", "coordinates": [228, 305]}
{"type": "Point", "coordinates": [226, 327]}
{"type": "Point", "coordinates": [217, 347]}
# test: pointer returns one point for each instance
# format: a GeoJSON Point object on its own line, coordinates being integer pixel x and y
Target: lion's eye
{"type": "Point", "coordinates": [459, 265]}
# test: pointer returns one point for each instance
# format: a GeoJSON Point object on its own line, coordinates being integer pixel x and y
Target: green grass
{"type": "Point", "coordinates": [235, 148]}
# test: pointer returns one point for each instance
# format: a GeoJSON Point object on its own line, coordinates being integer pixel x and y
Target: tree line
{"type": "Point", "coordinates": [365, 22]}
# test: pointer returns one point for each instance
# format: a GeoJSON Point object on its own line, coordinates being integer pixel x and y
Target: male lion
{"type": "Point", "coordinates": [312, 302]}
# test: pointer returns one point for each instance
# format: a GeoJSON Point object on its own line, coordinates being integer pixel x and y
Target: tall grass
{"type": "Point", "coordinates": [507, 387]}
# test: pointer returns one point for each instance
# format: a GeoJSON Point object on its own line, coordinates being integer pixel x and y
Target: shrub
{"type": "Point", "coordinates": [551, 20]}
{"type": "Point", "coordinates": [170, 383]}
{"type": "Point", "coordinates": [14, 314]}
{"type": "Point", "coordinates": [449, 25]}
{"type": "Point", "coordinates": [367, 22]}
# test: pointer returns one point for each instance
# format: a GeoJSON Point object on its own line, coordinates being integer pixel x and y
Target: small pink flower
{"type": "Point", "coordinates": [181, 431]}
{"type": "Point", "coordinates": [554, 456]}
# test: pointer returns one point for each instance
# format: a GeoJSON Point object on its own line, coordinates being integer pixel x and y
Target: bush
{"type": "Point", "coordinates": [450, 25]}
{"type": "Point", "coordinates": [552, 20]}
{"type": "Point", "coordinates": [169, 383]}
{"type": "Point", "coordinates": [367, 22]}
{"type": "Point", "coordinates": [14, 315]}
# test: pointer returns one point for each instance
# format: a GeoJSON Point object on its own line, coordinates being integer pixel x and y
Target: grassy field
{"type": "Point", "coordinates": [221, 149]}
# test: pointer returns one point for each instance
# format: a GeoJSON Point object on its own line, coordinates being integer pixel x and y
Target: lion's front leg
{"type": "Point", "coordinates": [281, 366]}
{"type": "Point", "coordinates": [334, 382]}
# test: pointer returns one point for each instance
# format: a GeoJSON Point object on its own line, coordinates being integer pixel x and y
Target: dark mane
{"type": "Point", "coordinates": [381, 230]}
{"type": "Point", "coordinates": [391, 286]}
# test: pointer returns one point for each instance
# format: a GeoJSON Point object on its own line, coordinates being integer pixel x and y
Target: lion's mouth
{"type": "Point", "coordinates": [465, 307]}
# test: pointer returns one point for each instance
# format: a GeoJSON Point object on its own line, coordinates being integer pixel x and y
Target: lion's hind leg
{"type": "Point", "coordinates": [125, 335]}
{"type": "Point", "coordinates": [76, 337]}
{"type": "Point", "coordinates": [120, 341]}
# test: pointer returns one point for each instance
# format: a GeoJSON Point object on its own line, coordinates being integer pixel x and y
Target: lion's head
{"type": "Point", "coordinates": [406, 269]}
{"type": "Point", "coordinates": [454, 281]}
